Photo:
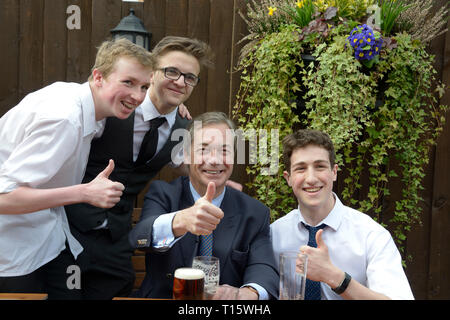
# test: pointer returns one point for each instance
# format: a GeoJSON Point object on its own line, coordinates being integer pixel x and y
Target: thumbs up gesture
{"type": "Point", "coordinates": [102, 192]}
{"type": "Point", "coordinates": [200, 219]}
{"type": "Point", "coordinates": [319, 263]}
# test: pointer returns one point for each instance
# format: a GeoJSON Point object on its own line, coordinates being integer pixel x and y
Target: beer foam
{"type": "Point", "coordinates": [189, 274]}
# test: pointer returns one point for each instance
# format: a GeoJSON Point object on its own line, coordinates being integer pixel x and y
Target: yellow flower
{"type": "Point", "coordinates": [322, 5]}
{"type": "Point", "coordinates": [300, 4]}
{"type": "Point", "coordinates": [271, 10]}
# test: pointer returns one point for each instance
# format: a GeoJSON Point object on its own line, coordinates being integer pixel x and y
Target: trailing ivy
{"type": "Point", "coordinates": [266, 100]}
{"type": "Point", "coordinates": [383, 120]}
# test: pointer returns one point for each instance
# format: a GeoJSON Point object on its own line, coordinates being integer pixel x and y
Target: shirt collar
{"type": "Point", "coordinates": [90, 125]}
{"type": "Point", "coordinates": [217, 201]}
{"type": "Point", "coordinates": [150, 112]}
{"type": "Point", "coordinates": [333, 219]}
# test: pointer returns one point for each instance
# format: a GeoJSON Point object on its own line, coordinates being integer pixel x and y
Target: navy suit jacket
{"type": "Point", "coordinates": [241, 240]}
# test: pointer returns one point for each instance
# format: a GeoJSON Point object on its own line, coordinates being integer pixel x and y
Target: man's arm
{"type": "Point", "coordinates": [320, 268]}
{"type": "Point", "coordinates": [100, 192]}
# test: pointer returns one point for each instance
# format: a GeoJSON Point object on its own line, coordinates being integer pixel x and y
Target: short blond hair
{"type": "Point", "coordinates": [194, 47]}
{"type": "Point", "coordinates": [110, 51]}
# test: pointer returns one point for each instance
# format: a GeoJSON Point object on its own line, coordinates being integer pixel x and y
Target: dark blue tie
{"type": "Point", "coordinates": [312, 290]}
{"type": "Point", "coordinates": [206, 245]}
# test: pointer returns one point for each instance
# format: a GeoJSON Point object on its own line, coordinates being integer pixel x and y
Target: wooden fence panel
{"type": "Point", "coordinates": [106, 14]}
{"type": "Point", "coordinates": [220, 37]}
{"type": "Point", "coordinates": [155, 20]}
{"type": "Point", "coordinates": [30, 51]}
{"type": "Point", "coordinates": [39, 49]}
{"type": "Point", "coordinates": [439, 249]}
{"type": "Point", "coordinates": [9, 62]}
{"type": "Point", "coordinates": [54, 41]}
{"type": "Point", "coordinates": [79, 45]}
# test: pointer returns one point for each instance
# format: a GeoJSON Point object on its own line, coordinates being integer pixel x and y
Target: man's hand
{"type": "Point", "coordinates": [102, 192]}
{"type": "Point", "coordinates": [227, 292]}
{"type": "Point", "coordinates": [200, 219]}
{"type": "Point", "coordinates": [320, 267]}
{"type": "Point", "coordinates": [184, 112]}
{"type": "Point", "coordinates": [234, 185]}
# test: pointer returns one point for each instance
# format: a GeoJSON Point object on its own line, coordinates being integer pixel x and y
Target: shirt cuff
{"type": "Point", "coordinates": [263, 295]}
{"type": "Point", "coordinates": [162, 236]}
{"type": "Point", "coordinates": [7, 185]}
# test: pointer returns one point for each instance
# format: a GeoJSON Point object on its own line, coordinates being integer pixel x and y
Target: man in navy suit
{"type": "Point", "coordinates": [176, 216]}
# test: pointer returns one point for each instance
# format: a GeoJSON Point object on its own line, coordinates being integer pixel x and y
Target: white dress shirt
{"type": "Point", "coordinates": [44, 143]}
{"type": "Point", "coordinates": [163, 238]}
{"type": "Point", "coordinates": [356, 244]}
{"type": "Point", "coordinates": [143, 114]}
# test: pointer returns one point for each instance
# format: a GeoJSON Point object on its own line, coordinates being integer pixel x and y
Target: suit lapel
{"type": "Point", "coordinates": [225, 231]}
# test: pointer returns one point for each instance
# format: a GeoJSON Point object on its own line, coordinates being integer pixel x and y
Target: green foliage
{"type": "Point", "coordinates": [383, 121]}
{"type": "Point", "coordinates": [301, 14]}
{"type": "Point", "coordinates": [266, 100]}
{"type": "Point", "coordinates": [390, 11]}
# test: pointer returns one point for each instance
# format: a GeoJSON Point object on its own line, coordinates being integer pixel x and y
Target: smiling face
{"type": "Point", "coordinates": [211, 157]}
{"type": "Point", "coordinates": [167, 94]}
{"type": "Point", "coordinates": [311, 177]}
{"type": "Point", "coordinates": [122, 91]}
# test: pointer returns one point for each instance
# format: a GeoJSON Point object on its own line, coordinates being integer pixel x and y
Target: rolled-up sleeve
{"type": "Point", "coordinates": [384, 270]}
{"type": "Point", "coordinates": [37, 157]}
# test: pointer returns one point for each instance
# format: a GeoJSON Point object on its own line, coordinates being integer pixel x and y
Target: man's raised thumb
{"type": "Point", "coordinates": [107, 171]}
{"type": "Point", "coordinates": [210, 191]}
{"type": "Point", "coordinates": [319, 240]}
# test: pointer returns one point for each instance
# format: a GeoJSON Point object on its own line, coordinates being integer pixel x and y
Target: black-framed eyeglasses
{"type": "Point", "coordinates": [173, 73]}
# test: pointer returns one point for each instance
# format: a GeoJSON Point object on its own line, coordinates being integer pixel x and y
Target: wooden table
{"type": "Point", "coordinates": [23, 296]}
{"type": "Point", "coordinates": [127, 298]}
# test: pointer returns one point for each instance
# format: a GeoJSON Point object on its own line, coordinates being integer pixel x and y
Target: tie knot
{"type": "Point", "coordinates": [157, 122]}
{"type": "Point", "coordinates": [314, 229]}
{"type": "Point", "coordinates": [312, 233]}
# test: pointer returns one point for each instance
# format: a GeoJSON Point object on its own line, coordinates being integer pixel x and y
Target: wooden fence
{"type": "Point", "coordinates": [38, 48]}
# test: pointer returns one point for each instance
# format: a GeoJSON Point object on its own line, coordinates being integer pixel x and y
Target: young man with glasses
{"type": "Point", "coordinates": [106, 267]}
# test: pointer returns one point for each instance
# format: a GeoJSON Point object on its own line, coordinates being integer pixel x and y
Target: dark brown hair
{"type": "Point", "coordinates": [303, 138]}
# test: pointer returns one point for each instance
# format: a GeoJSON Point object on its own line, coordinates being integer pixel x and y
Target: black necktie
{"type": "Point", "coordinates": [312, 289]}
{"type": "Point", "coordinates": [150, 141]}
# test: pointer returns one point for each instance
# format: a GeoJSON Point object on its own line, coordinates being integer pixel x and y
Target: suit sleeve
{"type": "Point", "coordinates": [156, 203]}
{"type": "Point", "coordinates": [261, 266]}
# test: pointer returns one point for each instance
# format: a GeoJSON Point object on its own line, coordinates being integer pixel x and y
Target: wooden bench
{"type": "Point", "coordinates": [23, 296]}
{"type": "Point", "coordinates": [138, 258]}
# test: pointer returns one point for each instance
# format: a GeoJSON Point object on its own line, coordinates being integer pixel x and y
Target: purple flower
{"type": "Point", "coordinates": [365, 42]}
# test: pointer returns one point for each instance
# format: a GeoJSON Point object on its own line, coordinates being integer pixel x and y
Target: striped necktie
{"type": "Point", "coordinates": [206, 245]}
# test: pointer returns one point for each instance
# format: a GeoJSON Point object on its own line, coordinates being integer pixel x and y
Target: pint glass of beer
{"type": "Point", "coordinates": [188, 284]}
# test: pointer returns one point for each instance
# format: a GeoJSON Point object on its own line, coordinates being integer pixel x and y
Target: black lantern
{"type": "Point", "coordinates": [132, 28]}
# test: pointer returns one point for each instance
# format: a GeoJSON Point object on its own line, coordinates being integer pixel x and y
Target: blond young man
{"type": "Point", "coordinates": [45, 142]}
